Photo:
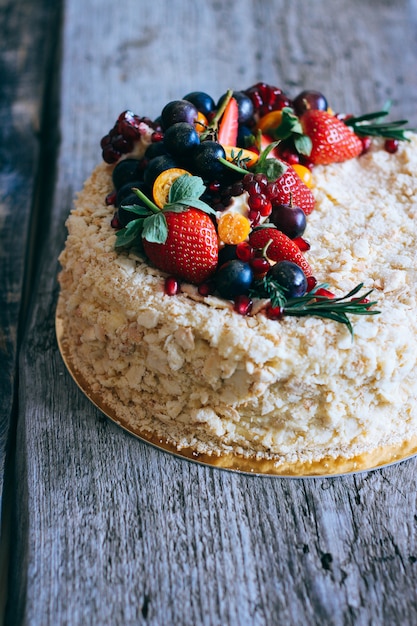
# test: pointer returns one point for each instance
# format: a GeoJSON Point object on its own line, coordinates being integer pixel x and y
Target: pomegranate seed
{"type": "Point", "coordinates": [391, 145]}
{"type": "Point", "coordinates": [157, 136]}
{"type": "Point", "coordinates": [324, 292]}
{"type": "Point", "coordinates": [243, 305]}
{"type": "Point", "coordinates": [244, 251]}
{"type": "Point", "coordinates": [311, 283]}
{"type": "Point", "coordinates": [262, 180]}
{"type": "Point", "coordinates": [111, 198]}
{"type": "Point", "coordinates": [115, 222]}
{"type": "Point", "coordinates": [214, 186]}
{"type": "Point", "coordinates": [266, 208]}
{"type": "Point", "coordinates": [205, 289]}
{"type": "Point", "coordinates": [274, 312]}
{"type": "Point", "coordinates": [254, 217]}
{"type": "Point", "coordinates": [303, 244]}
{"type": "Point", "coordinates": [366, 144]}
{"type": "Point", "coordinates": [260, 265]}
{"type": "Point", "coordinates": [172, 286]}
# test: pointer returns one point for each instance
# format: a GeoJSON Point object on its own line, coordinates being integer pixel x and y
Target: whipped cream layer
{"type": "Point", "coordinates": [193, 372]}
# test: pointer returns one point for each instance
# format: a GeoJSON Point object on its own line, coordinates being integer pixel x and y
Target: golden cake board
{"type": "Point", "coordinates": [325, 467]}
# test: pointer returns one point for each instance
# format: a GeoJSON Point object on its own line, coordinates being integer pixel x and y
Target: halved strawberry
{"type": "Point", "coordinates": [191, 249]}
{"type": "Point", "coordinates": [229, 124]}
{"type": "Point", "coordinates": [332, 141]}
{"type": "Point", "coordinates": [280, 247]}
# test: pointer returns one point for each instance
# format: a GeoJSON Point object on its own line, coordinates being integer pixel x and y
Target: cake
{"type": "Point", "coordinates": [226, 375]}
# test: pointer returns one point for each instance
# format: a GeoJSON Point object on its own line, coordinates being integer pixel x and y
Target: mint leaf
{"type": "Point", "coordinates": [126, 237]}
{"type": "Point", "coordinates": [186, 191]}
{"type": "Point", "coordinates": [185, 187]}
{"type": "Point", "coordinates": [137, 209]}
{"type": "Point", "coordinates": [303, 144]}
{"type": "Point", "coordinates": [155, 228]}
{"type": "Point", "coordinates": [289, 125]}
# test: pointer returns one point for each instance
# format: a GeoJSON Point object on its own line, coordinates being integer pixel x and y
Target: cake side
{"type": "Point", "coordinates": [194, 372]}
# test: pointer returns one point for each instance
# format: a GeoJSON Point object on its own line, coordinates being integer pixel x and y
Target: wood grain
{"type": "Point", "coordinates": [25, 55]}
{"type": "Point", "coordinates": [109, 530]}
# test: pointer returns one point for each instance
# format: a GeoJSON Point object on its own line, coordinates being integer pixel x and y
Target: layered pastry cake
{"type": "Point", "coordinates": [238, 283]}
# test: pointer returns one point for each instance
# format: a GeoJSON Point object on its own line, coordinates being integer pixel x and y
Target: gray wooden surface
{"type": "Point", "coordinates": [105, 529]}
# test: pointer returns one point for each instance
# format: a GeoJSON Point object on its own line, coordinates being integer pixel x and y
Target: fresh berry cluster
{"type": "Point", "coordinates": [218, 194]}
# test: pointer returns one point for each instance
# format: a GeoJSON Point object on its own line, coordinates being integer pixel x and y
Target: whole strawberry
{"type": "Point", "coordinates": [290, 189]}
{"type": "Point", "coordinates": [332, 140]}
{"type": "Point", "coordinates": [190, 251]}
{"type": "Point", "coordinates": [278, 247]}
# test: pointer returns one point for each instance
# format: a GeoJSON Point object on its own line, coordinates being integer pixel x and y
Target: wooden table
{"type": "Point", "coordinates": [98, 527]}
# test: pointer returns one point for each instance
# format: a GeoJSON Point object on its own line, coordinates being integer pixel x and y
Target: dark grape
{"type": "Point", "coordinates": [206, 160]}
{"type": "Point", "coordinates": [125, 171]}
{"type": "Point", "coordinates": [309, 99]}
{"type": "Point", "coordinates": [227, 253]}
{"type": "Point", "coordinates": [180, 138]}
{"type": "Point", "coordinates": [123, 214]}
{"type": "Point", "coordinates": [291, 220]}
{"type": "Point", "coordinates": [178, 111]}
{"type": "Point", "coordinates": [155, 149]}
{"type": "Point", "coordinates": [291, 278]}
{"type": "Point", "coordinates": [245, 137]}
{"type": "Point", "coordinates": [156, 166]}
{"type": "Point", "coordinates": [202, 101]}
{"type": "Point", "coordinates": [126, 190]}
{"type": "Point", "coordinates": [244, 104]}
{"type": "Point", "coordinates": [234, 278]}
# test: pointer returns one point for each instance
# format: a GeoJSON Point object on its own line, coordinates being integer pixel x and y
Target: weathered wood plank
{"type": "Point", "coordinates": [24, 63]}
{"type": "Point", "coordinates": [112, 531]}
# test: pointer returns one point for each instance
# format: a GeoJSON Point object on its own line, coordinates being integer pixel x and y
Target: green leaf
{"type": "Point", "coordinates": [126, 237]}
{"type": "Point", "coordinates": [185, 187]}
{"type": "Point", "coordinates": [137, 209]}
{"type": "Point", "coordinates": [303, 144]}
{"type": "Point", "coordinates": [289, 125]}
{"type": "Point", "coordinates": [155, 228]}
{"type": "Point", "coordinates": [191, 202]}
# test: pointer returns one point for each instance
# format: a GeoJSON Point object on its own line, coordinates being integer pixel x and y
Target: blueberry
{"type": "Point", "coordinates": [126, 190]}
{"type": "Point", "coordinates": [206, 160]}
{"type": "Point", "coordinates": [180, 138]}
{"type": "Point", "coordinates": [291, 278]}
{"type": "Point", "coordinates": [155, 149]}
{"type": "Point", "coordinates": [245, 137]}
{"type": "Point", "coordinates": [202, 101]}
{"type": "Point", "coordinates": [244, 104]}
{"type": "Point", "coordinates": [123, 214]}
{"type": "Point", "coordinates": [156, 166]}
{"type": "Point", "coordinates": [234, 278]}
{"type": "Point", "coordinates": [125, 171]}
{"type": "Point", "coordinates": [227, 253]}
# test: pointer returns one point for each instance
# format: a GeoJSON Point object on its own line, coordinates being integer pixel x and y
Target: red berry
{"type": "Point", "coordinates": [243, 305]}
{"type": "Point", "coordinates": [172, 286]}
{"type": "Point", "coordinates": [274, 312]}
{"type": "Point", "coordinates": [391, 145]}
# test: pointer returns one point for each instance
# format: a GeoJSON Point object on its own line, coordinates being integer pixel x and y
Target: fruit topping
{"type": "Point", "coordinates": [219, 194]}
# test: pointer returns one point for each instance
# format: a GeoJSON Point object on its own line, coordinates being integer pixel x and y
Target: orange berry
{"type": "Point", "coordinates": [304, 173]}
{"type": "Point", "coordinates": [248, 156]}
{"type": "Point", "coordinates": [201, 122]}
{"type": "Point", "coordinates": [233, 228]}
{"type": "Point", "coordinates": [269, 121]}
{"type": "Point", "coordinates": [163, 182]}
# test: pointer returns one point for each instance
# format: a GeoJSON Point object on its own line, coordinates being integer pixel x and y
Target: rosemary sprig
{"type": "Point", "coordinates": [337, 309]}
{"type": "Point", "coordinates": [366, 125]}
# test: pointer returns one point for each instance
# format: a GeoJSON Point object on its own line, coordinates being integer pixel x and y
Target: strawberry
{"type": "Point", "coordinates": [190, 250]}
{"type": "Point", "coordinates": [280, 247]}
{"type": "Point", "coordinates": [229, 124]}
{"type": "Point", "coordinates": [332, 140]}
{"type": "Point", "coordinates": [290, 189]}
